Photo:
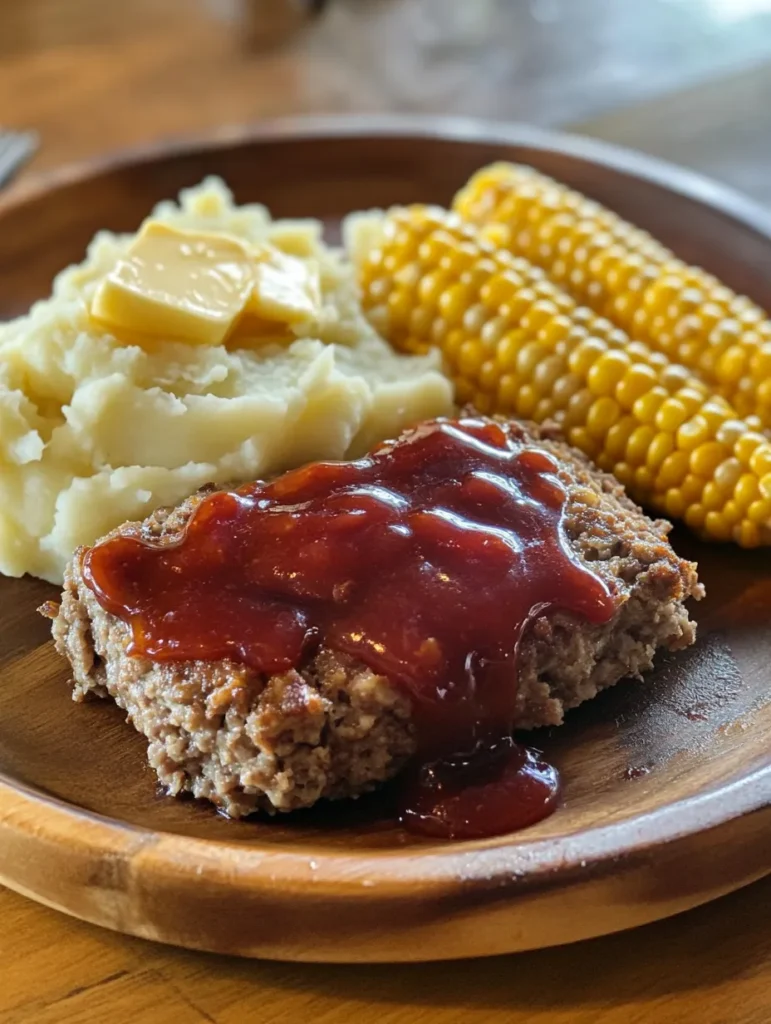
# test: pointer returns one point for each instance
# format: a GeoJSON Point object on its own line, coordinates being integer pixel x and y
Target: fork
{"type": "Point", "coordinates": [15, 149]}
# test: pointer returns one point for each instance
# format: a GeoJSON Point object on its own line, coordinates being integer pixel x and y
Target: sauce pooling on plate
{"type": "Point", "coordinates": [426, 560]}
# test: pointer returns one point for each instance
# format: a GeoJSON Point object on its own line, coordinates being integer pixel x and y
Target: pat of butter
{"type": "Point", "coordinates": [177, 284]}
{"type": "Point", "coordinates": [201, 288]}
{"type": "Point", "coordinates": [286, 289]}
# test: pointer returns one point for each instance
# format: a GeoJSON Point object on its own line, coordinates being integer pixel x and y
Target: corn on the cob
{"type": "Point", "coordinates": [626, 275]}
{"type": "Point", "coordinates": [516, 343]}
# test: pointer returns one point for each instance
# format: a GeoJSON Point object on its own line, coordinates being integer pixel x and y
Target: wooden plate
{"type": "Point", "coordinates": [667, 784]}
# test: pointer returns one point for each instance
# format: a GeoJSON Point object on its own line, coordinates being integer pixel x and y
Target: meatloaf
{"type": "Point", "coordinates": [334, 728]}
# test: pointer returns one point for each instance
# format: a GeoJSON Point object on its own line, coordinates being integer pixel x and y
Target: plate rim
{"type": "Point", "coordinates": [501, 864]}
{"type": "Point", "coordinates": [689, 184]}
{"type": "Point", "coordinates": [490, 862]}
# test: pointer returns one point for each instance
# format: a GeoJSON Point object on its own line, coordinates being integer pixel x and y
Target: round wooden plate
{"type": "Point", "coordinates": [667, 783]}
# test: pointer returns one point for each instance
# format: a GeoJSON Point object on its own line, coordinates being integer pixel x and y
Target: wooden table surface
{"type": "Point", "coordinates": [688, 80]}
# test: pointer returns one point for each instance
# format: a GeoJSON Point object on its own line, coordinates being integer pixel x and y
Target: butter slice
{"type": "Point", "coordinates": [203, 288]}
{"type": "Point", "coordinates": [286, 288]}
{"type": "Point", "coordinates": [177, 284]}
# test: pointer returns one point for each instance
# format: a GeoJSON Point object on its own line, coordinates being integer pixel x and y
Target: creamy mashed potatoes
{"type": "Point", "coordinates": [95, 429]}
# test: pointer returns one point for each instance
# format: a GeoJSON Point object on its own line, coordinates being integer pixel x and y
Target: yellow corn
{"type": "Point", "coordinates": [515, 343]}
{"type": "Point", "coordinates": [626, 275]}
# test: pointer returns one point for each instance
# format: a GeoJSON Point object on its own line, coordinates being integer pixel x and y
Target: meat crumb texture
{"type": "Point", "coordinates": [335, 728]}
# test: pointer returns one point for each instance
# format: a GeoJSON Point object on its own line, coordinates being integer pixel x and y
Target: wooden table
{"type": "Point", "coordinates": [689, 80]}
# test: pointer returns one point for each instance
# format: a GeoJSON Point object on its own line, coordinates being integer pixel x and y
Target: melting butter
{"type": "Point", "coordinates": [286, 289]}
{"type": "Point", "coordinates": [204, 288]}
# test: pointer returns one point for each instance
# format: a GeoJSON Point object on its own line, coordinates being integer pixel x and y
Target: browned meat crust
{"type": "Point", "coordinates": [336, 729]}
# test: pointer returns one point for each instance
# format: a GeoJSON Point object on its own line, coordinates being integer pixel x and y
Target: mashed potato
{"type": "Point", "coordinates": [95, 431]}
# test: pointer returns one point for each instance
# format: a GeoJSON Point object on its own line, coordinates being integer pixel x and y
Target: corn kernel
{"type": "Point", "coordinates": [431, 287]}
{"type": "Point", "coordinates": [754, 423]}
{"type": "Point", "coordinates": [624, 473]}
{"type": "Point", "coordinates": [760, 461]}
{"type": "Point", "coordinates": [528, 358]}
{"type": "Point", "coordinates": [670, 415]}
{"type": "Point", "coordinates": [538, 315]}
{"type": "Point", "coordinates": [607, 372]}
{"type": "Point", "coordinates": [692, 488]}
{"type": "Point", "coordinates": [716, 525]}
{"type": "Point", "coordinates": [515, 309]}
{"type": "Point", "coordinates": [693, 433]}
{"type": "Point", "coordinates": [639, 380]}
{"type": "Point", "coordinates": [602, 415]}
{"type": "Point", "coordinates": [760, 364]}
{"type": "Point", "coordinates": [494, 329]}
{"type": "Point", "coordinates": [746, 445]}
{"type": "Point", "coordinates": [474, 318]}
{"type": "Point", "coordinates": [638, 444]}
{"type": "Point", "coordinates": [499, 289]}
{"type": "Point", "coordinates": [459, 259]}
{"type": "Point", "coordinates": [488, 375]}
{"type": "Point", "coordinates": [618, 436]}
{"type": "Point", "coordinates": [565, 388]}
{"type": "Point", "coordinates": [694, 516]}
{"type": "Point", "coordinates": [407, 276]}
{"type": "Point", "coordinates": [547, 373]}
{"type": "Point", "coordinates": [464, 391]}
{"type": "Point", "coordinates": [713, 497]}
{"type": "Point", "coordinates": [760, 512]}
{"type": "Point", "coordinates": [673, 377]}
{"type": "Point", "coordinates": [440, 332]}
{"type": "Point", "coordinates": [508, 348]}
{"type": "Point", "coordinates": [673, 469]}
{"type": "Point", "coordinates": [730, 431]}
{"type": "Point", "coordinates": [763, 396]}
{"type": "Point", "coordinates": [706, 458]}
{"type": "Point", "coordinates": [727, 473]}
{"type": "Point", "coordinates": [643, 480]}
{"type": "Point", "coordinates": [508, 388]}
{"type": "Point", "coordinates": [747, 490]}
{"type": "Point", "coordinates": [580, 437]}
{"type": "Point", "coordinates": [555, 330]}
{"type": "Point", "coordinates": [583, 357]}
{"type": "Point", "coordinates": [674, 503]}
{"type": "Point", "coordinates": [692, 398]}
{"type": "Point", "coordinates": [578, 408]}
{"type": "Point", "coordinates": [647, 406]}
{"type": "Point", "coordinates": [545, 410]}
{"type": "Point", "coordinates": [527, 399]}
{"type": "Point", "coordinates": [452, 344]}
{"type": "Point", "coordinates": [470, 358]}
{"type": "Point", "coordinates": [731, 513]}
{"type": "Point", "coordinates": [730, 366]}
{"type": "Point", "coordinates": [661, 447]}
{"type": "Point", "coordinates": [434, 248]}
{"type": "Point", "coordinates": [453, 303]}
{"type": "Point", "coordinates": [400, 305]}
{"type": "Point", "coordinates": [747, 534]}
{"type": "Point", "coordinates": [716, 411]}
{"type": "Point", "coordinates": [420, 321]}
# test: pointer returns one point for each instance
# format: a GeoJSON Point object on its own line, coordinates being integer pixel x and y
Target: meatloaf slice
{"type": "Point", "coordinates": [335, 728]}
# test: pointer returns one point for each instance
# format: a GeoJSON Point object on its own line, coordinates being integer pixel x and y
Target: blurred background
{"type": "Point", "coordinates": [689, 80]}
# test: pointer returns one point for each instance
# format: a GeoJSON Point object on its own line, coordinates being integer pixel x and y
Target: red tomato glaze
{"type": "Point", "coordinates": [426, 560]}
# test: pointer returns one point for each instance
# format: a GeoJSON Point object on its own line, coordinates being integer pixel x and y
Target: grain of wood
{"type": "Point", "coordinates": [711, 965]}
